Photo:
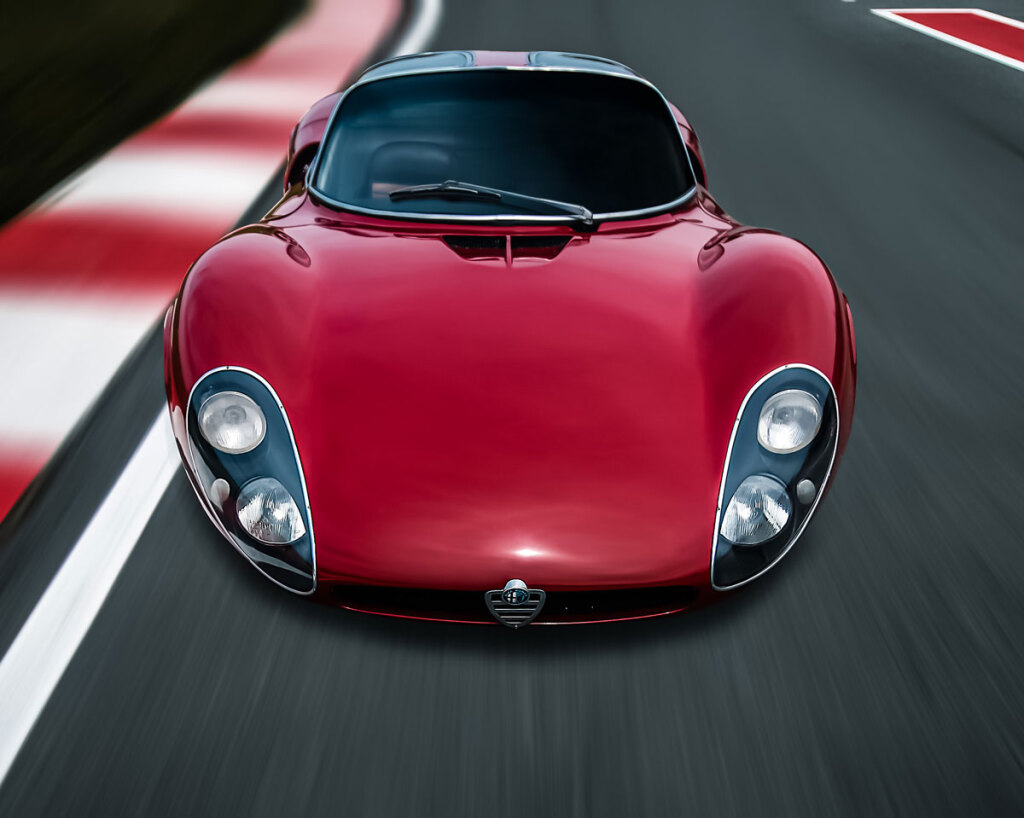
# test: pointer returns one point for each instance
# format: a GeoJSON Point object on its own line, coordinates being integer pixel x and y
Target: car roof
{"type": "Point", "coordinates": [454, 60]}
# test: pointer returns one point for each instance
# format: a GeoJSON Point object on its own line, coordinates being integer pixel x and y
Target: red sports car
{"type": "Point", "coordinates": [497, 355]}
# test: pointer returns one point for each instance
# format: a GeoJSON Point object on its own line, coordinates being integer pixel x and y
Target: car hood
{"type": "Point", "coordinates": [466, 416]}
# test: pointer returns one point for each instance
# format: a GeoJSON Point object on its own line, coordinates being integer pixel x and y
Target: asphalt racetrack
{"type": "Point", "coordinates": [876, 671]}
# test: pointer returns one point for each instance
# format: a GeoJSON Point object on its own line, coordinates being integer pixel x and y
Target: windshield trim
{"type": "Point", "coordinates": [499, 218]}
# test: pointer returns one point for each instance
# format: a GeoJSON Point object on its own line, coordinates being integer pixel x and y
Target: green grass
{"type": "Point", "coordinates": [78, 77]}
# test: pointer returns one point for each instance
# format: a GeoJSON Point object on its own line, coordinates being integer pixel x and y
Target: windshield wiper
{"type": "Point", "coordinates": [452, 189]}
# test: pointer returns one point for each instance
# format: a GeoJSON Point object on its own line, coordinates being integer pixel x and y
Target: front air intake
{"type": "Point", "coordinates": [559, 607]}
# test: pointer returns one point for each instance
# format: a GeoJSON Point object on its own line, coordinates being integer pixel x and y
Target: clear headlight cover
{"type": "Point", "coordinates": [758, 511]}
{"type": "Point", "coordinates": [267, 511]}
{"type": "Point", "coordinates": [789, 421]}
{"type": "Point", "coordinates": [232, 422]}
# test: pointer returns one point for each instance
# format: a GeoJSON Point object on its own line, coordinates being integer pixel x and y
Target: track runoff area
{"type": "Point", "coordinates": [981, 32]}
{"type": "Point", "coordinates": [174, 152]}
{"type": "Point", "coordinates": [129, 226]}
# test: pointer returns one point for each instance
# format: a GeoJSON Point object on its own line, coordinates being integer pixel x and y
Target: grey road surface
{"type": "Point", "coordinates": [877, 671]}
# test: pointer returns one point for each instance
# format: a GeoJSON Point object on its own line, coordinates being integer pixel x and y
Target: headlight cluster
{"type": "Point", "coordinates": [788, 422]}
{"type": "Point", "coordinates": [268, 512]}
{"type": "Point", "coordinates": [232, 422]}
{"type": "Point", "coordinates": [758, 511]}
{"type": "Point", "coordinates": [778, 462]}
{"type": "Point", "coordinates": [249, 472]}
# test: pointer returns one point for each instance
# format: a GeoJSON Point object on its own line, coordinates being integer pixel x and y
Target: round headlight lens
{"type": "Point", "coordinates": [268, 512]}
{"type": "Point", "coordinates": [788, 421]}
{"type": "Point", "coordinates": [232, 422]}
{"type": "Point", "coordinates": [758, 511]}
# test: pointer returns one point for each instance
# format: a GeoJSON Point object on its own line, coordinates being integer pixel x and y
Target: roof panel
{"type": "Point", "coordinates": [418, 62]}
{"type": "Point", "coordinates": [565, 59]}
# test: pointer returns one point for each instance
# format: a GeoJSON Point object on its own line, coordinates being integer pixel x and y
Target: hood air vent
{"type": "Point", "coordinates": [477, 248]}
{"type": "Point", "coordinates": [474, 247]}
{"type": "Point", "coordinates": [539, 247]}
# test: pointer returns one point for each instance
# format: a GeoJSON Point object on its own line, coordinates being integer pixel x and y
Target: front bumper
{"type": "Point", "coordinates": [560, 607]}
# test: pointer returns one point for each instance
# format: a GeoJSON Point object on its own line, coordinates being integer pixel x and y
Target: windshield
{"type": "Point", "coordinates": [603, 143]}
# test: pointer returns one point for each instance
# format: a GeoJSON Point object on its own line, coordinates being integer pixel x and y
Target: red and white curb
{"type": "Point", "coordinates": [981, 32]}
{"type": "Point", "coordinates": [49, 639]}
{"type": "Point", "coordinates": [87, 271]}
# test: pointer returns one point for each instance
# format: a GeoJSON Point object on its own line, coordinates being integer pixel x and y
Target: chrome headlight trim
{"type": "Point", "coordinates": [725, 474]}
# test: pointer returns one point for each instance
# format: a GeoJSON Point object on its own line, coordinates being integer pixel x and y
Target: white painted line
{"type": "Point", "coordinates": [893, 15]}
{"type": "Point", "coordinates": [77, 342]}
{"type": "Point", "coordinates": [424, 23]}
{"type": "Point", "coordinates": [36, 660]}
{"type": "Point", "coordinates": [178, 183]}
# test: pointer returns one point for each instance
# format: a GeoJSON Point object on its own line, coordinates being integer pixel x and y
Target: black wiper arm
{"type": "Point", "coordinates": [446, 190]}
{"type": "Point", "coordinates": [452, 189]}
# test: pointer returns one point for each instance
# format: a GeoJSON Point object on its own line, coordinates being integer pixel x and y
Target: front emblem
{"type": "Point", "coordinates": [515, 605]}
{"type": "Point", "coordinates": [515, 592]}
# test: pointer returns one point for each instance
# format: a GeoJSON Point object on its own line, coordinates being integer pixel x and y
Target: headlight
{"type": "Point", "coordinates": [232, 422]}
{"type": "Point", "coordinates": [758, 511]}
{"type": "Point", "coordinates": [789, 421]}
{"type": "Point", "coordinates": [268, 512]}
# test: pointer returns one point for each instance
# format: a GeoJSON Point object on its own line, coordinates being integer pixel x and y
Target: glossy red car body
{"type": "Point", "coordinates": [464, 417]}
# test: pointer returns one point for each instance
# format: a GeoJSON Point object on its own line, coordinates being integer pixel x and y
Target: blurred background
{"type": "Point", "coordinates": [133, 136]}
{"type": "Point", "coordinates": [877, 671]}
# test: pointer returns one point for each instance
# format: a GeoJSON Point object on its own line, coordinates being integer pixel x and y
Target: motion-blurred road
{"type": "Point", "coordinates": [876, 671]}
